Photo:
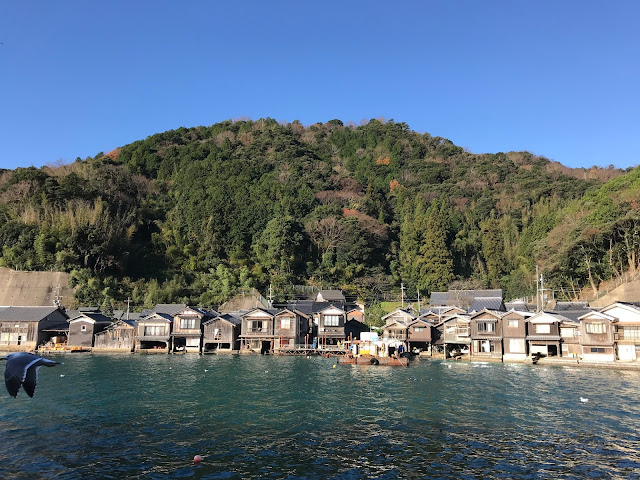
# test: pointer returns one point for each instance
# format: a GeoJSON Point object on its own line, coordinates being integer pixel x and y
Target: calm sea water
{"type": "Point", "coordinates": [146, 416]}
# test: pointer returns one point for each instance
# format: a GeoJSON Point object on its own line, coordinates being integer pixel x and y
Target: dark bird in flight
{"type": "Point", "coordinates": [22, 370]}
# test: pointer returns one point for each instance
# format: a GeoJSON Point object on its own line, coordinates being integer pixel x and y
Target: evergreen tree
{"type": "Point", "coordinates": [436, 269]}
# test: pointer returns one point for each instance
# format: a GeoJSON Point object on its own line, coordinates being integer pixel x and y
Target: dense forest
{"type": "Point", "coordinates": [197, 214]}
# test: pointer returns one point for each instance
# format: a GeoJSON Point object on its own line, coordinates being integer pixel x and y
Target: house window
{"type": "Point", "coordinates": [629, 333]}
{"type": "Point", "coordinates": [83, 328]}
{"type": "Point", "coordinates": [331, 320]}
{"type": "Point", "coordinates": [154, 331]}
{"type": "Point", "coordinates": [483, 346]}
{"type": "Point", "coordinates": [595, 328]}
{"type": "Point", "coordinates": [567, 332]}
{"type": "Point", "coordinates": [486, 327]}
{"type": "Point", "coordinates": [516, 345]}
{"type": "Point", "coordinates": [285, 323]}
{"type": "Point", "coordinates": [419, 329]}
{"type": "Point", "coordinates": [512, 323]}
{"type": "Point", "coordinates": [462, 331]}
{"type": "Point", "coordinates": [257, 326]}
{"type": "Point", "coordinates": [544, 328]}
{"type": "Point", "coordinates": [597, 350]}
{"type": "Point", "coordinates": [187, 323]}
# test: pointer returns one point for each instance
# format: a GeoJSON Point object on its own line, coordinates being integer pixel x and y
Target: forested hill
{"type": "Point", "coordinates": [194, 214]}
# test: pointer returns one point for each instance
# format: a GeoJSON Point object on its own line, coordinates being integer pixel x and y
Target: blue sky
{"type": "Point", "coordinates": [558, 78]}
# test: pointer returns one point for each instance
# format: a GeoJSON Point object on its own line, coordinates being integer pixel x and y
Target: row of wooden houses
{"type": "Point", "coordinates": [473, 326]}
{"type": "Point", "coordinates": [321, 322]}
{"type": "Point", "coordinates": [571, 330]}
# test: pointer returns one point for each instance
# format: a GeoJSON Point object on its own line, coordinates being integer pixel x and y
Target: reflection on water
{"type": "Point", "coordinates": [137, 416]}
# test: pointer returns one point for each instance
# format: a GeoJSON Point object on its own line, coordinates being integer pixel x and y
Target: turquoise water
{"type": "Point", "coordinates": [146, 416]}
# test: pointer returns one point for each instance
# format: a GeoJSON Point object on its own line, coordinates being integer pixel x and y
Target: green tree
{"type": "Point", "coordinates": [436, 272]}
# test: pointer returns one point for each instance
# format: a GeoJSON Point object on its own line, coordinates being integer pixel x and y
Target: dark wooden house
{"type": "Point", "coordinates": [626, 334]}
{"type": "Point", "coordinates": [186, 332]}
{"type": "Point", "coordinates": [543, 337]}
{"type": "Point", "coordinates": [222, 333]}
{"type": "Point", "coordinates": [569, 338]}
{"type": "Point", "coordinates": [419, 335]}
{"type": "Point", "coordinates": [117, 337]}
{"type": "Point", "coordinates": [486, 335]}
{"type": "Point", "coordinates": [514, 335]}
{"type": "Point", "coordinates": [257, 331]}
{"type": "Point", "coordinates": [84, 326]}
{"type": "Point", "coordinates": [153, 333]}
{"type": "Point", "coordinates": [596, 337]}
{"type": "Point", "coordinates": [457, 335]}
{"type": "Point", "coordinates": [291, 329]}
{"type": "Point", "coordinates": [26, 328]}
{"type": "Point", "coordinates": [331, 322]}
{"type": "Point", "coordinates": [354, 328]}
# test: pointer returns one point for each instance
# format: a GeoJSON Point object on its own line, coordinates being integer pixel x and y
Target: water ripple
{"type": "Point", "coordinates": [280, 417]}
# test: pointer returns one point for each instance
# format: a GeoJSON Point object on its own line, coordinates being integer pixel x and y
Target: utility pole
{"type": "Point", "coordinates": [537, 290]}
{"type": "Point", "coordinates": [128, 304]}
{"type": "Point", "coordinates": [270, 296]}
{"type": "Point", "coordinates": [402, 294]}
{"type": "Point", "coordinates": [418, 290]}
{"type": "Point", "coordinates": [56, 301]}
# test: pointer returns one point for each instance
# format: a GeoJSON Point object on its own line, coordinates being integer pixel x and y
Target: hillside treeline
{"type": "Point", "coordinates": [196, 214]}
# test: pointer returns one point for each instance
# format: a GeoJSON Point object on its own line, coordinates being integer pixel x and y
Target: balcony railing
{"type": "Point", "coordinates": [257, 330]}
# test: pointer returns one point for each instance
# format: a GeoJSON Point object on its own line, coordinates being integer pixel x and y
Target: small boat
{"type": "Point", "coordinates": [373, 360]}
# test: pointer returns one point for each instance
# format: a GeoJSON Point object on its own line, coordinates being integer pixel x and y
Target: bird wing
{"type": "Point", "coordinates": [30, 380]}
{"type": "Point", "coordinates": [15, 371]}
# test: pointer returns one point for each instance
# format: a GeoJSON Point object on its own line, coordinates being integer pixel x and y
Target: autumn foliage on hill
{"type": "Point", "coordinates": [195, 214]}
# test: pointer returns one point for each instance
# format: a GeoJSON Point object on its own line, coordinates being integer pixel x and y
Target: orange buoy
{"type": "Point", "coordinates": [197, 459]}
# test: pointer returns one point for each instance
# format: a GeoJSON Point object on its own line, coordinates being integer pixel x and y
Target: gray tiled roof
{"type": "Point", "coordinates": [25, 314]}
{"type": "Point", "coordinates": [164, 316]}
{"type": "Point", "coordinates": [517, 306]}
{"type": "Point", "coordinates": [169, 308]}
{"type": "Point", "coordinates": [490, 303]}
{"type": "Point", "coordinates": [461, 298]}
{"type": "Point", "coordinates": [573, 315]}
{"type": "Point", "coordinates": [331, 295]}
{"type": "Point", "coordinates": [233, 318]}
{"type": "Point", "coordinates": [561, 306]}
{"type": "Point", "coordinates": [97, 317]}
{"type": "Point", "coordinates": [308, 306]}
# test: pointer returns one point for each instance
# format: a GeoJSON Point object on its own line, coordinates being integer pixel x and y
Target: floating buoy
{"type": "Point", "coordinates": [584, 400]}
{"type": "Point", "coordinates": [334, 366]}
{"type": "Point", "coordinates": [197, 459]}
{"type": "Point", "coordinates": [206, 370]}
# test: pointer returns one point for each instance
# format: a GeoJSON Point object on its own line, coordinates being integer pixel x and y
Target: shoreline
{"type": "Point", "coordinates": [544, 361]}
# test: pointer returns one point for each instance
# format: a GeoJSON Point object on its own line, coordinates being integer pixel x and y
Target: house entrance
{"type": "Point", "coordinates": [553, 350]}
{"type": "Point", "coordinates": [266, 347]}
